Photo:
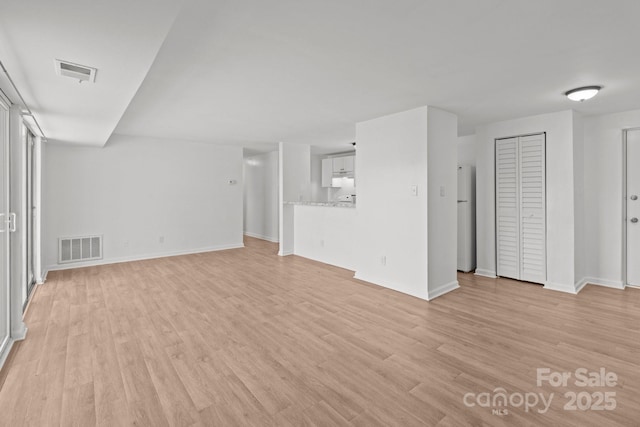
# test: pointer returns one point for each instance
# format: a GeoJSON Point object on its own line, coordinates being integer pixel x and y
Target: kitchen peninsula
{"type": "Point", "coordinates": [325, 232]}
{"type": "Point", "coordinates": [317, 199]}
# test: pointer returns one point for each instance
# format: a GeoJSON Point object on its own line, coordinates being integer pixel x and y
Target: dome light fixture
{"type": "Point", "coordinates": [582, 93]}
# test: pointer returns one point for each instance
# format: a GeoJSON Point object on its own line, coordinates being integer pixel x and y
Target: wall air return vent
{"type": "Point", "coordinates": [73, 249]}
{"type": "Point", "coordinates": [78, 72]}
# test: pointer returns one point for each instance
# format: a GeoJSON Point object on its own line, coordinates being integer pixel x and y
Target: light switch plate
{"type": "Point", "coordinates": [414, 190]}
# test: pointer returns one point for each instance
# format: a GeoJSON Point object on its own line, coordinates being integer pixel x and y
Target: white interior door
{"type": "Point", "coordinates": [633, 207]}
{"type": "Point", "coordinates": [532, 209]}
{"type": "Point", "coordinates": [4, 232]}
{"type": "Point", "coordinates": [521, 208]}
{"type": "Point", "coordinates": [507, 208]}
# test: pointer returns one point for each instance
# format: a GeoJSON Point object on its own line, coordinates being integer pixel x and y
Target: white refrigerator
{"type": "Point", "coordinates": [466, 218]}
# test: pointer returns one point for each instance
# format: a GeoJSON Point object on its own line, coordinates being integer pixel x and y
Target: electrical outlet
{"type": "Point", "coordinates": [126, 244]}
{"type": "Point", "coordinates": [442, 192]}
{"type": "Point", "coordinates": [322, 243]}
{"type": "Point", "coordinates": [161, 239]}
{"type": "Point", "coordinates": [383, 260]}
{"type": "Point", "coordinates": [414, 190]}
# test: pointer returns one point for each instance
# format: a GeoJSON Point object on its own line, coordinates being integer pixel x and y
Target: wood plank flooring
{"type": "Point", "coordinates": [244, 337]}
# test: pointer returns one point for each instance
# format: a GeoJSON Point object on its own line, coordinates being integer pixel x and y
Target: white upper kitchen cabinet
{"type": "Point", "coordinates": [343, 164]}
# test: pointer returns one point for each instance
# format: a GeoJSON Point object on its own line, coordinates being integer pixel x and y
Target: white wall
{"type": "Point", "coordinates": [559, 128]}
{"type": "Point", "coordinates": [442, 153]}
{"type": "Point", "coordinates": [467, 150]}
{"type": "Point", "coordinates": [326, 234]}
{"type": "Point", "coordinates": [580, 229]}
{"type": "Point", "coordinates": [393, 155]}
{"type": "Point", "coordinates": [136, 190]}
{"type": "Point", "coordinates": [603, 178]}
{"type": "Point", "coordinates": [294, 177]}
{"type": "Point", "coordinates": [261, 196]}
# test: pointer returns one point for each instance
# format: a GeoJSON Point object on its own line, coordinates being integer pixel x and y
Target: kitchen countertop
{"type": "Point", "coordinates": [325, 204]}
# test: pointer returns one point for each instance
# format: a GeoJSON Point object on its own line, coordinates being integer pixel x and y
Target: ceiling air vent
{"type": "Point", "coordinates": [78, 72]}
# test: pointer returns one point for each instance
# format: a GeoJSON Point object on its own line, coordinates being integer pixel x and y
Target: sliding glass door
{"type": "Point", "coordinates": [4, 227]}
{"type": "Point", "coordinates": [30, 210]}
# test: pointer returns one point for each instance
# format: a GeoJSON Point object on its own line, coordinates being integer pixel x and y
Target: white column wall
{"type": "Point", "coordinates": [294, 177]}
{"type": "Point", "coordinates": [396, 152]}
{"type": "Point", "coordinates": [442, 159]}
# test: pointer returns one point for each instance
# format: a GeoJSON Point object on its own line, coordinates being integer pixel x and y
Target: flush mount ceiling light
{"type": "Point", "coordinates": [583, 93]}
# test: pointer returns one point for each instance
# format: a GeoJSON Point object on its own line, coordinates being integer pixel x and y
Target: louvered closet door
{"type": "Point", "coordinates": [520, 208]}
{"type": "Point", "coordinates": [507, 208]}
{"type": "Point", "coordinates": [532, 209]}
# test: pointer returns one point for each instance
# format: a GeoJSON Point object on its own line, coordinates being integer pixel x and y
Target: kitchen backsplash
{"type": "Point", "coordinates": [347, 188]}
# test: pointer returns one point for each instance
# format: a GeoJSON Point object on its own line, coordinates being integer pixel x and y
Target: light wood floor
{"type": "Point", "coordinates": [244, 337]}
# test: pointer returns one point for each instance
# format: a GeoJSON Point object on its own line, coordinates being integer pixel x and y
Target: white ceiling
{"type": "Point", "coordinates": [119, 37]}
{"type": "Point", "coordinates": [256, 72]}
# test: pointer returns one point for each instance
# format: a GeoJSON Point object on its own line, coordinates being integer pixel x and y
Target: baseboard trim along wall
{"type": "Point", "coordinates": [262, 237]}
{"type": "Point", "coordinates": [5, 353]}
{"type": "Point", "coordinates": [141, 257]}
{"type": "Point", "coordinates": [615, 284]}
{"type": "Point", "coordinates": [441, 290]}
{"type": "Point", "coordinates": [286, 253]}
{"type": "Point", "coordinates": [43, 278]}
{"type": "Point", "coordinates": [333, 264]}
{"type": "Point", "coordinates": [385, 284]}
{"type": "Point", "coordinates": [581, 284]}
{"type": "Point", "coordinates": [485, 273]}
{"type": "Point", "coordinates": [569, 289]}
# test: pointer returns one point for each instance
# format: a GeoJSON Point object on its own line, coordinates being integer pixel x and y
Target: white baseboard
{"type": "Point", "coordinates": [5, 353]}
{"type": "Point", "coordinates": [581, 284]}
{"type": "Point", "coordinates": [569, 289]}
{"type": "Point", "coordinates": [19, 332]}
{"type": "Point", "coordinates": [485, 273]}
{"type": "Point", "coordinates": [358, 275]}
{"type": "Point", "coordinates": [41, 280]}
{"type": "Point", "coordinates": [441, 290]}
{"type": "Point", "coordinates": [285, 253]}
{"type": "Point", "coordinates": [262, 237]}
{"type": "Point", "coordinates": [327, 262]}
{"type": "Point", "coordinates": [118, 260]}
{"type": "Point", "coordinates": [615, 284]}
{"type": "Point", "coordinates": [16, 335]}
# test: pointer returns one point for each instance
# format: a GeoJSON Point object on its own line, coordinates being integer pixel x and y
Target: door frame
{"type": "Point", "coordinates": [5, 347]}
{"type": "Point", "coordinates": [495, 202]}
{"type": "Point", "coordinates": [624, 204]}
